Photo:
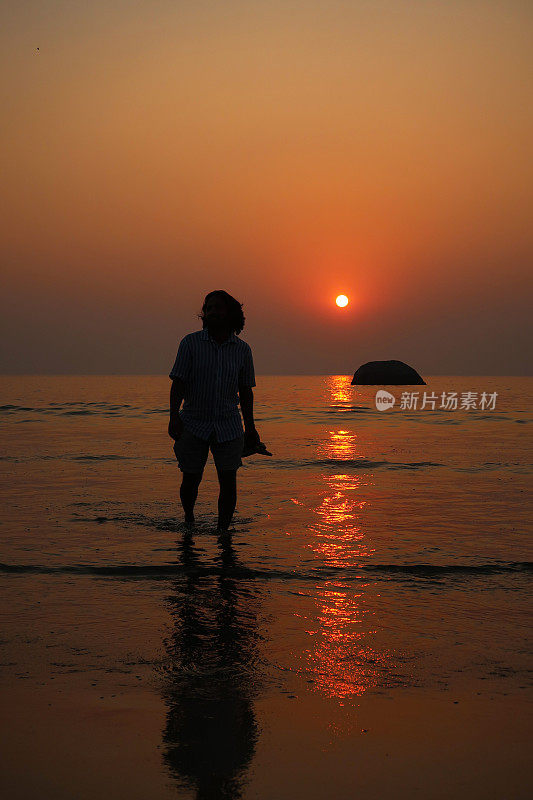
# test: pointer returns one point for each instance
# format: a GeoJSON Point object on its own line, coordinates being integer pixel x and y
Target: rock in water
{"type": "Point", "coordinates": [391, 373]}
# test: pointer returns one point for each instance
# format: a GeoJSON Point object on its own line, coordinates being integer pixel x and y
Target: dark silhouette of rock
{"type": "Point", "coordinates": [391, 373]}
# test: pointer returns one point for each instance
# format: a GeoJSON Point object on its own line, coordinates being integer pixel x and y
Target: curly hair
{"type": "Point", "coordinates": [236, 317]}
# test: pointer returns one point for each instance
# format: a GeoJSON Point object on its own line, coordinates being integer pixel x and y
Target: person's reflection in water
{"type": "Point", "coordinates": [211, 732]}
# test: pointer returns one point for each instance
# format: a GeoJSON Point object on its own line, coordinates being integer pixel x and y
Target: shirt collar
{"type": "Point", "coordinates": [204, 334]}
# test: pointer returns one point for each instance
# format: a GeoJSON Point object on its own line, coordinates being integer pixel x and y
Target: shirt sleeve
{"type": "Point", "coordinates": [182, 364]}
{"type": "Point", "coordinates": [246, 372]}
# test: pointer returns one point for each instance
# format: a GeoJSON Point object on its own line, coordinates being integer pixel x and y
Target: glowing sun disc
{"type": "Point", "coordinates": [342, 300]}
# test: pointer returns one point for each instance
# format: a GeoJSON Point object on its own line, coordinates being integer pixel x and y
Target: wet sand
{"type": "Point", "coordinates": [119, 689]}
{"type": "Point", "coordinates": [63, 741]}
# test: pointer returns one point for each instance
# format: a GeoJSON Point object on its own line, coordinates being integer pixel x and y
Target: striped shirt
{"type": "Point", "coordinates": [212, 374]}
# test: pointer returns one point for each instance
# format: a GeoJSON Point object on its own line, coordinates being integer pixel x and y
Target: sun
{"type": "Point", "coordinates": [342, 300]}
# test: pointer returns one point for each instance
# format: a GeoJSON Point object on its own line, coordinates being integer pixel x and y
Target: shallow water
{"type": "Point", "coordinates": [375, 553]}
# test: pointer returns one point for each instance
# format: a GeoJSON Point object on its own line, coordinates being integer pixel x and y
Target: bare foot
{"type": "Point", "coordinates": [222, 529]}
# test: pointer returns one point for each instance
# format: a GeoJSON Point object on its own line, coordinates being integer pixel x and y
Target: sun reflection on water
{"type": "Point", "coordinates": [343, 660]}
{"type": "Point", "coordinates": [338, 534]}
{"type": "Point", "coordinates": [339, 391]}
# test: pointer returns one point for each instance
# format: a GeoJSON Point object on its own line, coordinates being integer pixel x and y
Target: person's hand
{"type": "Point", "coordinates": [175, 427]}
{"type": "Point", "coordinates": [251, 438]}
{"type": "Point", "coordinates": [253, 444]}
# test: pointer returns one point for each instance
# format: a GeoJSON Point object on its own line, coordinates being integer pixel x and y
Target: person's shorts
{"type": "Point", "coordinates": [192, 452]}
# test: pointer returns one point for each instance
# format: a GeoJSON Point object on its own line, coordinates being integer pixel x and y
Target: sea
{"type": "Point", "coordinates": [378, 559]}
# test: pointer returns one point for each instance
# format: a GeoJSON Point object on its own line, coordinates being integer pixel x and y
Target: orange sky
{"type": "Point", "coordinates": [285, 151]}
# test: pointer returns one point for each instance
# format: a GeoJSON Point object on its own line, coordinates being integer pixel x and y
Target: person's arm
{"type": "Point", "coordinates": [246, 398]}
{"type": "Point", "coordinates": [177, 393]}
{"type": "Point", "coordinates": [179, 375]}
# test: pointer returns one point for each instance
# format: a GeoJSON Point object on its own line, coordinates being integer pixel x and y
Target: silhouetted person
{"type": "Point", "coordinates": [213, 372]}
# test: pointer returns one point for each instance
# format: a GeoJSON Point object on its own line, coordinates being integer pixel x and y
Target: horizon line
{"type": "Point", "coordinates": [258, 374]}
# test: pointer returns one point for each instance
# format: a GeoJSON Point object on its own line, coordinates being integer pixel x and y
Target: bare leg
{"type": "Point", "coordinates": [227, 498]}
{"type": "Point", "coordinates": [189, 493]}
